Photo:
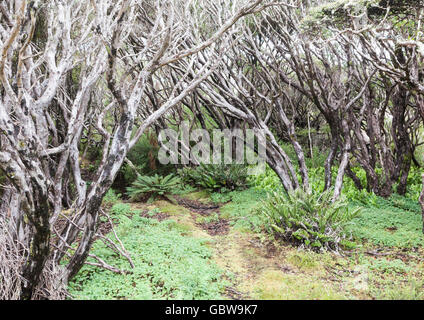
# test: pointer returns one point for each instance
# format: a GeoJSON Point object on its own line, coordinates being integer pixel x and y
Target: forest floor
{"type": "Point", "coordinates": [249, 264]}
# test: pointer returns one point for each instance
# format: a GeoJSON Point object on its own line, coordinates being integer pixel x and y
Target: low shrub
{"type": "Point", "coordinates": [360, 197]}
{"type": "Point", "coordinates": [219, 177]}
{"type": "Point", "coordinates": [309, 220]}
{"type": "Point", "coordinates": [414, 183]}
{"type": "Point", "coordinates": [153, 186]}
{"type": "Point", "coordinates": [144, 157]}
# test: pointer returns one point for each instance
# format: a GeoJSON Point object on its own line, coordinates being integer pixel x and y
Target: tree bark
{"type": "Point", "coordinates": [421, 200]}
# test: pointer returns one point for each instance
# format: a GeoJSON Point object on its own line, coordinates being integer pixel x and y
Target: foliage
{"type": "Point", "coordinates": [414, 183]}
{"type": "Point", "coordinates": [277, 285]}
{"type": "Point", "coordinates": [395, 289]}
{"type": "Point", "coordinates": [389, 266]}
{"type": "Point", "coordinates": [183, 189]}
{"type": "Point", "coordinates": [318, 159]}
{"type": "Point", "coordinates": [154, 186]}
{"type": "Point", "coordinates": [393, 222]}
{"type": "Point", "coordinates": [168, 265]}
{"type": "Point", "coordinates": [216, 177]}
{"type": "Point", "coordinates": [359, 197]}
{"type": "Point", "coordinates": [111, 198]}
{"type": "Point", "coordinates": [401, 279]}
{"type": "Point", "coordinates": [214, 217]}
{"type": "Point", "coordinates": [144, 156]}
{"type": "Point", "coordinates": [219, 197]}
{"type": "Point", "coordinates": [267, 181]}
{"type": "Point", "coordinates": [242, 208]}
{"type": "Point", "coordinates": [308, 220]}
{"type": "Point", "coordinates": [120, 209]}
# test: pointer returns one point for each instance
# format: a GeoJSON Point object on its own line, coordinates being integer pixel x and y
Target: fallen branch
{"type": "Point", "coordinates": [104, 265]}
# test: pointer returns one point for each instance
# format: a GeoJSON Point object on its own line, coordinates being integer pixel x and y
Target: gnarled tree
{"type": "Point", "coordinates": [67, 67]}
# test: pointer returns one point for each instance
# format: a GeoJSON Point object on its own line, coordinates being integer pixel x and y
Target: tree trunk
{"type": "Point", "coordinates": [338, 185]}
{"type": "Point", "coordinates": [329, 162]}
{"type": "Point", "coordinates": [421, 200]}
{"type": "Point", "coordinates": [297, 148]}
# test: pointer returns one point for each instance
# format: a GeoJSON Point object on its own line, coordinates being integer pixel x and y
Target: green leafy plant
{"type": "Point", "coordinates": [242, 210]}
{"type": "Point", "coordinates": [144, 157]}
{"type": "Point", "coordinates": [390, 266]}
{"type": "Point", "coordinates": [111, 198]}
{"type": "Point", "coordinates": [220, 177]}
{"type": "Point", "coordinates": [392, 222]}
{"type": "Point", "coordinates": [168, 264]}
{"type": "Point", "coordinates": [120, 209]}
{"type": "Point", "coordinates": [218, 197]}
{"type": "Point", "coordinates": [267, 181]}
{"type": "Point", "coordinates": [153, 212]}
{"type": "Point", "coordinates": [361, 197]}
{"type": "Point", "coordinates": [309, 220]}
{"type": "Point", "coordinates": [153, 186]}
{"type": "Point", "coordinates": [214, 217]}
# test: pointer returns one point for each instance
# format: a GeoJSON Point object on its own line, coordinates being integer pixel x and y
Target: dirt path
{"type": "Point", "coordinates": [257, 268]}
{"type": "Point", "coordinates": [254, 268]}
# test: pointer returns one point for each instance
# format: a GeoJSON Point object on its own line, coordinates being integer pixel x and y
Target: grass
{"type": "Point", "coordinates": [395, 266]}
{"type": "Point", "coordinates": [385, 224]}
{"type": "Point", "coordinates": [409, 289]}
{"type": "Point", "coordinates": [199, 195]}
{"type": "Point", "coordinates": [303, 260]}
{"type": "Point", "coordinates": [392, 278]}
{"type": "Point", "coordinates": [170, 208]}
{"type": "Point", "coordinates": [276, 285]}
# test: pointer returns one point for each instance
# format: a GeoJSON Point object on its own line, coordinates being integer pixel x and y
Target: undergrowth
{"type": "Point", "coordinates": [168, 265]}
{"type": "Point", "coordinates": [310, 221]}
{"type": "Point", "coordinates": [241, 209]}
{"type": "Point", "coordinates": [393, 222]}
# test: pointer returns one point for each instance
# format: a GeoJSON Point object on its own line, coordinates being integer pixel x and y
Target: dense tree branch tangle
{"type": "Point", "coordinates": [70, 70]}
{"type": "Point", "coordinates": [55, 55]}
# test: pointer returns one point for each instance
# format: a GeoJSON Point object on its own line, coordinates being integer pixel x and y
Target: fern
{"type": "Point", "coordinates": [153, 185]}
{"type": "Point", "coordinates": [219, 177]}
{"type": "Point", "coordinates": [308, 220]}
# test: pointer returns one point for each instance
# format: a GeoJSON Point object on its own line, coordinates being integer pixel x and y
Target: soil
{"type": "Point", "coordinates": [158, 216]}
{"type": "Point", "coordinates": [104, 227]}
{"type": "Point", "coordinates": [197, 206]}
{"type": "Point", "coordinates": [219, 227]}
